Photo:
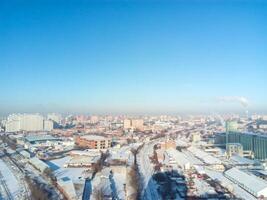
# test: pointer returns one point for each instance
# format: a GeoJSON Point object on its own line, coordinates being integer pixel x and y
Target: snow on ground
{"type": "Point", "coordinates": [75, 174]}
{"type": "Point", "coordinates": [9, 179]}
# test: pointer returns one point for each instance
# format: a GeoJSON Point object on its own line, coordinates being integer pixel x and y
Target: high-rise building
{"type": "Point", "coordinates": [32, 122]}
{"type": "Point", "coordinates": [26, 122]}
{"type": "Point", "coordinates": [127, 124]}
{"type": "Point", "coordinates": [137, 124]}
{"type": "Point", "coordinates": [48, 125]}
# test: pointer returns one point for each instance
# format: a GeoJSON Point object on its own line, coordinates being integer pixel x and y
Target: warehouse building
{"type": "Point", "coordinates": [249, 182]}
{"type": "Point", "coordinates": [40, 140]}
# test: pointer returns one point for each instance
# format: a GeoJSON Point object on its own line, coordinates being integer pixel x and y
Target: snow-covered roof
{"type": "Point", "coordinates": [207, 158]}
{"type": "Point", "coordinates": [93, 137]}
{"type": "Point", "coordinates": [241, 160]}
{"type": "Point", "coordinates": [36, 138]}
{"type": "Point", "coordinates": [38, 163]}
{"type": "Point", "coordinates": [247, 180]}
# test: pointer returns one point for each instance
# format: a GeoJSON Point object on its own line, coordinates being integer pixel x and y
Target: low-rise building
{"type": "Point", "coordinates": [93, 142]}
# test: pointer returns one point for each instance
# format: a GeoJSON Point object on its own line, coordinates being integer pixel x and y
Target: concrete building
{"type": "Point", "coordinates": [93, 142]}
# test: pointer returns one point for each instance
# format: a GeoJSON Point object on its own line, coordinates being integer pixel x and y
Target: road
{"type": "Point", "coordinates": [147, 170]}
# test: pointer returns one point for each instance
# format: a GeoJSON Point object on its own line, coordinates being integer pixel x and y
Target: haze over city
{"type": "Point", "coordinates": [136, 57]}
{"type": "Point", "coordinates": [133, 100]}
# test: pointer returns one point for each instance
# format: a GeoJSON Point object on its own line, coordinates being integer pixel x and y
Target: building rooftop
{"type": "Point", "coordinates": [241, 160]}
{"type": "Point", "coordinates": [36, 138]}
{"type": "Point", "coordinates": [248, 180]}
{"type": "Point", "coordinates": [249, 133]}
{"type": "Point", "coordinates": [93, 137]}
{"type": "Point", "coordinates": [207, 158]}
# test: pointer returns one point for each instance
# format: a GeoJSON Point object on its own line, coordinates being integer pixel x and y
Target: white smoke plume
{"type": "Point", "coordinates": [238, 99]}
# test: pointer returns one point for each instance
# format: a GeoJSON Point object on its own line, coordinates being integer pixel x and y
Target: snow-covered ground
{"type": "Point", "coordinates": [9, 179]}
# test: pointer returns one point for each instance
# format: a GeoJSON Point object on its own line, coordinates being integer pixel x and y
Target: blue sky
{"type": "Point", "coordinates": [133, 56]}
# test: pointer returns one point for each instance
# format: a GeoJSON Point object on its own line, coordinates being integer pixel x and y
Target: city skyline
{"type": "Point", "coordinates": [133, 57]}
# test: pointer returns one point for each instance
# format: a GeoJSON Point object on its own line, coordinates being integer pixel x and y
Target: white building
{"type": "Point", "coordinates": [27, 122]}
{"type": "Point", "coordinates": [13, 124]}
{"type": "Point", "coordinates": [249, 182]}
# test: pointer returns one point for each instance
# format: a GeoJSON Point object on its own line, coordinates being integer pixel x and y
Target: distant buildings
{"type": "Point", "coordinates": [54, 117]}
{"type": "Point", "coordinates": [136, 124]}
{"type": "Point", "coordinates": [27, 122]}
{"type": "Point", "coordinates": [127, 124]}
{"type": "Point", "coordinates": [93, 142]}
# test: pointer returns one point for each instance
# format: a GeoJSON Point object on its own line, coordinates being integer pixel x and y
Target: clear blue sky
{"type": "Point", "coordinates": [132, 56]}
